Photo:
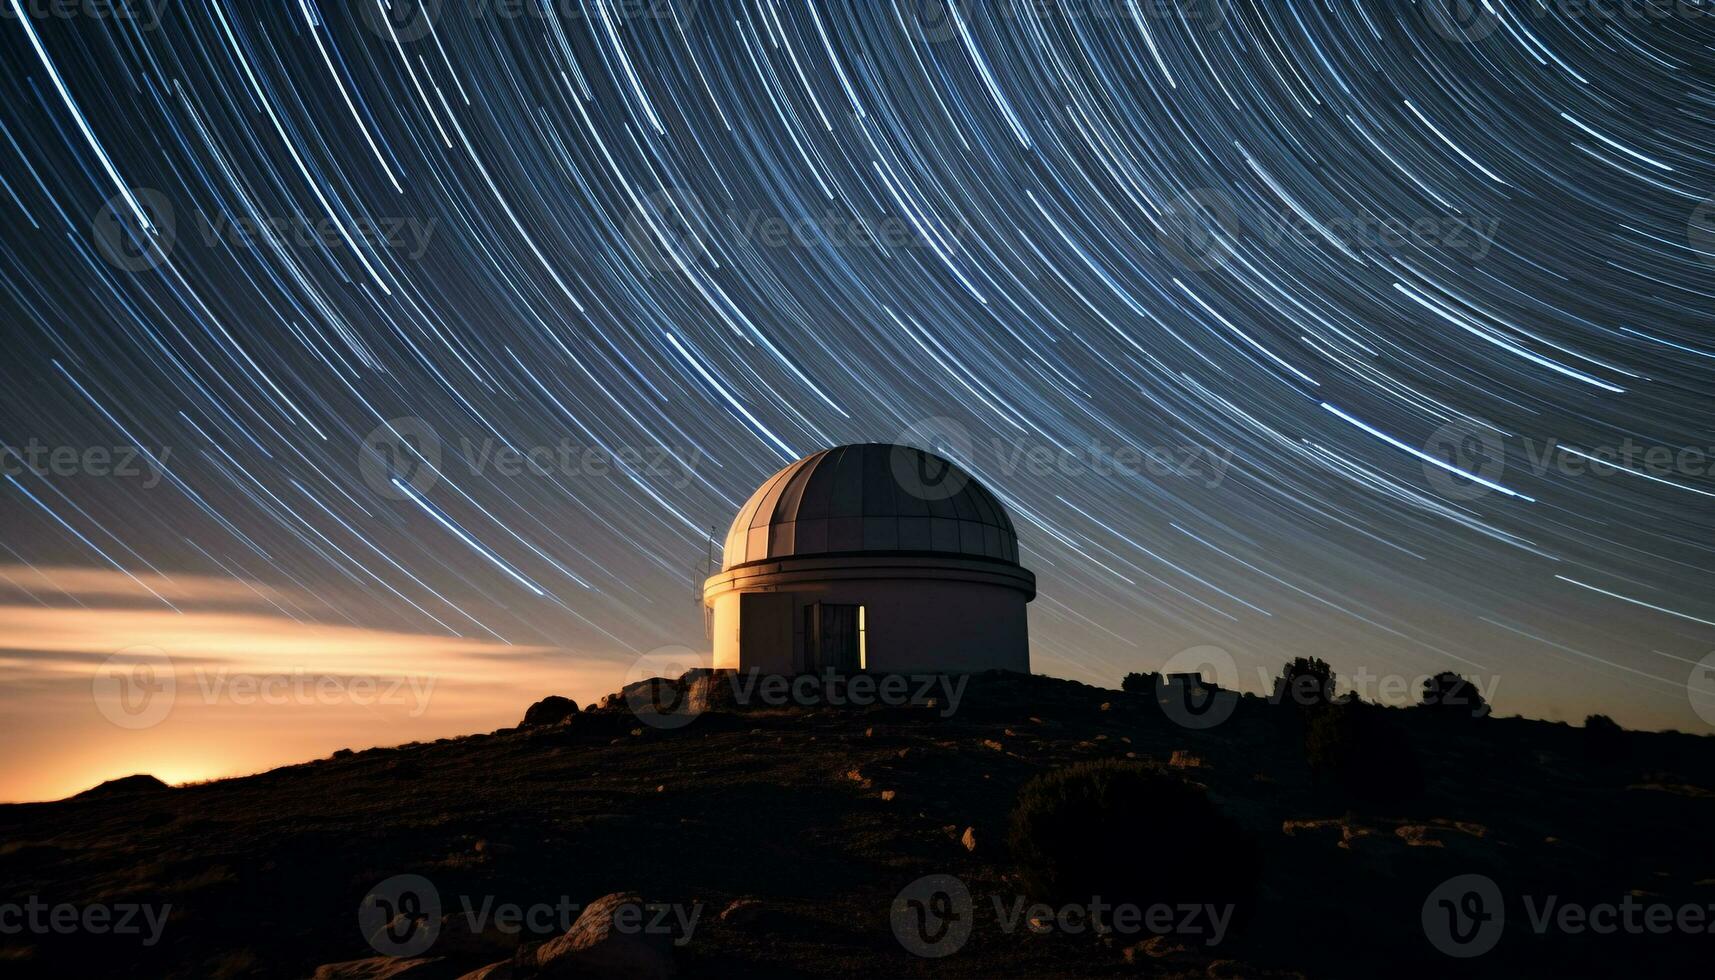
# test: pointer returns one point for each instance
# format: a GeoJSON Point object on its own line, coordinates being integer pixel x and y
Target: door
{"type": "Point", "coordinates": [831, 638]}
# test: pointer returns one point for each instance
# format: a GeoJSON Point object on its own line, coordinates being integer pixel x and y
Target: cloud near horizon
{"type": "Point", "coordinates": [191, 677]}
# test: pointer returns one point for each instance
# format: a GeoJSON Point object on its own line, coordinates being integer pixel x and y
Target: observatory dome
{"type": "Point", "coordinates": [870, 499]}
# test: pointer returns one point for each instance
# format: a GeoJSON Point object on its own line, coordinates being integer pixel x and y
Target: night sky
{"type": "Point", "coordinates": [1283, 327]}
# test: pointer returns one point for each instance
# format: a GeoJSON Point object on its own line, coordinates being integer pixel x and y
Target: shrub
{"type": "Point", "coordinates": [1605, 740]}
{"type": "Point", "coordinates": [1307, 682]}
{"type": "Point", "coordinates": [1128, 833]}
{"type": "Point", "coordinates": [1449, 695]}
{"type": "Point", "coordinates": [1356, 752]}
{"type": "Point", "coordinates": [1136, 683]}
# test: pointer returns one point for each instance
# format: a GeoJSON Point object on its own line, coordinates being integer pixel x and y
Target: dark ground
{"type": "Point", "coordinates": [265, 873]}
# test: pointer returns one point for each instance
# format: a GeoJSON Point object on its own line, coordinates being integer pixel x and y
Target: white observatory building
{"type": "Point", "coordinates": [873, 558]}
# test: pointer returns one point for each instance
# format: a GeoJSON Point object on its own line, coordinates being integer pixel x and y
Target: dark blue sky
{"type": "Point", "coordinates": [1281, 327]}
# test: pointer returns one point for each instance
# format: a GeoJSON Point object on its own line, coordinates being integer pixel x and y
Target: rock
{"type": "Point", "coordinates": [742, 912]}
{"type": "Point", "coordinates": [1154, 948]}
{"type": "Point", "coordinates": [990, 743]}
{"type": "Point", "coordinates": [598, 946]}
{"type": "Point", "coordinates": [492, 848]}
{"type": "Point", "coordinates": [493, 971]}
{"type": "Point", "coordinates": [969, 839]}
{"type": "Point", "coordinates": [887, 795]}
{"type": "Point", "coordinates": [1185, 760]}
{"type": "Point", "coordinates": [1106, 706]}
{"type": "Point", "coordinates": [551, 710]}
{"type": "Point", "coordinates": [388, 967]}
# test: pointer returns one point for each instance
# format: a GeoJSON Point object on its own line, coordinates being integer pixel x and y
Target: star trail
{"type": "Point", "coordinates": [1378, 331]}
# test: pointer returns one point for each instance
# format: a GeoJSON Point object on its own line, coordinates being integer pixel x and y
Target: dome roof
{"type": "Point", "coordinates": [867, 499]}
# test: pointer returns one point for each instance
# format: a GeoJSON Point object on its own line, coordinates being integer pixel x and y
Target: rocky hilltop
{"type": "Point", "coordinates": [699, 827]}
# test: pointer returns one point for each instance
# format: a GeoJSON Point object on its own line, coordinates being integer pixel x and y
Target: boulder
{"type": "Point", "coordinates": [597, 946]}
{"type": "Point", "coordinates": [551, 710]}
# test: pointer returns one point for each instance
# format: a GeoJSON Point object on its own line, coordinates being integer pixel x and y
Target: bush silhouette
{"type": "Point", "coordinates": [1357, 753]}
{"type": "Point", "coordinates": [1136, 683]}
{"type": "Point", "coordinates": [1306, 682]}
{"type": "Point", "coordinates": [1128, 833]}
{"type": "Point", "coordinates": [1449, 695]}
{"type": "Point", "coordinates": [1605, 740]}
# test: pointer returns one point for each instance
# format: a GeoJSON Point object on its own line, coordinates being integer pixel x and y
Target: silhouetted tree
{"type": "Point", "coordinates": [1447, 694]}
{"type": "Point", "coordinates": [1136, 683]}
{"type": "Point", "coordinates": [1356, 751]}
{"type": "Point", "coordinates": [1129, 833]}
{"type": "Point", "coordinates": [1307, 682]}
{"type": "Point", "coordinates": [1605, 740]}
